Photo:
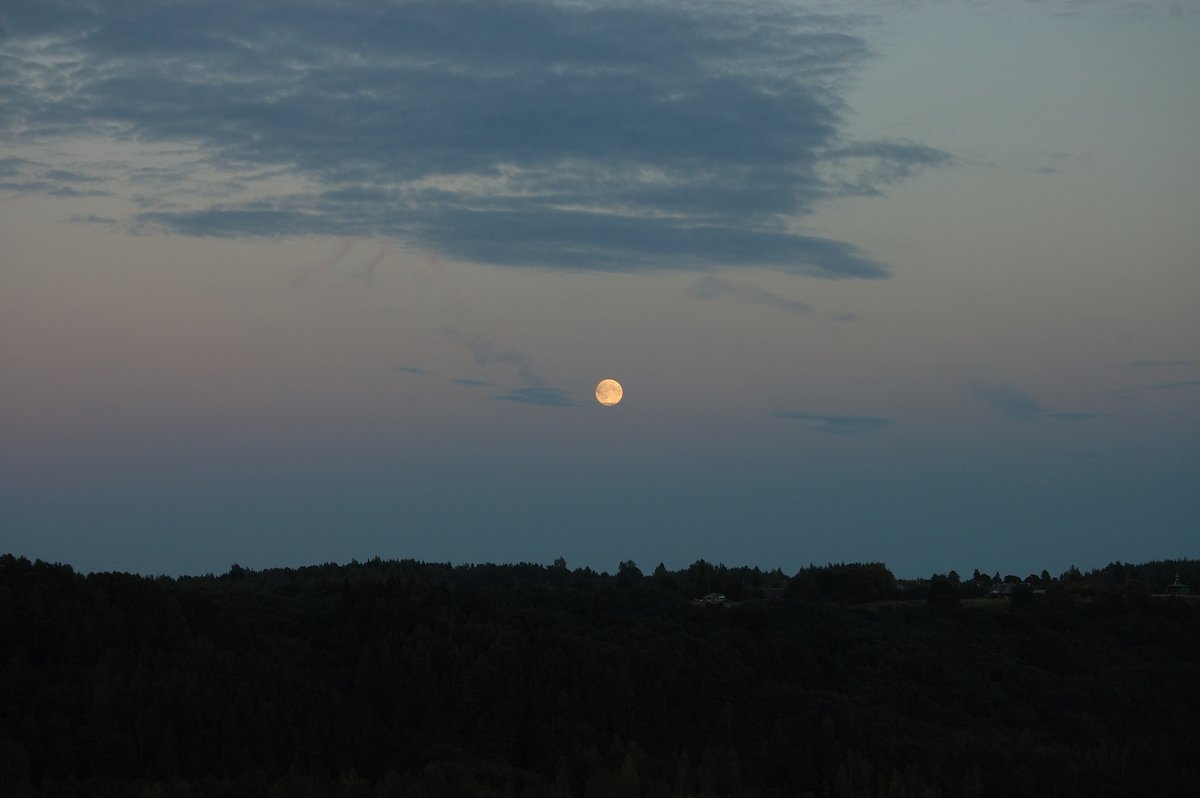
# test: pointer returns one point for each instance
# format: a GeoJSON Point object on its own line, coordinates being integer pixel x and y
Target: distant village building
{"type": "Point", "coordinates": [714, 598]}
{"type": "Point", "coordinates": [1002, 590]}
{"type": "Point", "coordinates": [1178, 588]}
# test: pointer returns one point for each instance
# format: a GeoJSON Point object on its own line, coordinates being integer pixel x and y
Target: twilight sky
{"type": "Point", "coordinates": [293, 281]}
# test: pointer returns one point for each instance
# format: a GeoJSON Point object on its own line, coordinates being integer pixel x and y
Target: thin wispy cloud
{"type": "Point", "coordinates": [1009, 402]}
{"type": "Point", "coordinates": [486, 351]}
{"type": "Point", "coordinates": [25, 176]}
{"type": "Point", "coordinates": [713, 287]}
{"type": "Point", "coordinates": [1158, 364]}
{"type": "Point", "coordinates": [835, 425]}
{"type": "Point", "coordinates": [92, 218]}
{"type": "Point", "coordinates": [612, 136]}
{"type": "Point", "coordinates": [418, 371]}
{"type": "Point", "coordinates": [1174, 386]}
{"type": "Point", "coordinates": [367, 272]}
{"type": "Point", "coordinates": [12, 167]}
{"type": "Point", "coordinates": [328, 263]}
{"type": "Point", "coordinates": [1019, 406]}
{"type": "Point", "coordinates": [545, 397]}
{"type": "Point", "coordinates": [863, 168]}
{"type": "Point", "coordinates": [1074, 416]}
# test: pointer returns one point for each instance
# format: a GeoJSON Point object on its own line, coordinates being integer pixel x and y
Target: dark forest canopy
{"type": "Point", "coordinates": [406, 678]}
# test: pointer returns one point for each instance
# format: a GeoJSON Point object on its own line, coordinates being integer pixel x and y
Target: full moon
{"type": "Point", "coordinates": [609, 392]}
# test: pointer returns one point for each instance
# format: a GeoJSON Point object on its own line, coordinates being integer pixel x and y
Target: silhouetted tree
{"type": "Point", "coordinates": [942, 595]}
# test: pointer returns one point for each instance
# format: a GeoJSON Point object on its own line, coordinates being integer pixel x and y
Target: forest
{"type": "Point", "coordinates": [404, 678]}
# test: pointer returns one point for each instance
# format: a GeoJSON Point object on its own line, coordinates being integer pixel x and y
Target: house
{"type": "Point", "coordinates": [1001, 590]}
{"type": "Point", "coordinates": [1178, 588]}
{"type": "Point", "coordinates": [713, 598]}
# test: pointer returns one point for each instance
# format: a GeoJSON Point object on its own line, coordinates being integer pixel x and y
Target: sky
{"type": "Point", "coordinates": [291, 282]}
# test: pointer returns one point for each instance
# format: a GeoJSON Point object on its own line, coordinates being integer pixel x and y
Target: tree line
{"type": "Point", "coordinates": [406, 678]}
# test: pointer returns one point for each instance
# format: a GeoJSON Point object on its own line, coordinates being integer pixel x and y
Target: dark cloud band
{"type": "Point", "coordinates": [598, 136]}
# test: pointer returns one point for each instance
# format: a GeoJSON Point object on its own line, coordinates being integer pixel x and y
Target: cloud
{"type": "Point", "coordinates": [617, 136]}
{"type": "Point", "coordinates": [836, 425]}
{"type": "Point", "coordinates": [24, 176]}
{"type": "Point", "coordinates": [327, 263]}
{"type": "Point", "coordinates": [468, 381]}
{"type": "Point", "coordinates": [367, 274]}
{"type": "Point", "coordinates": [93, 219]}
{"type": "Point", "coordinates": [713, 287]}
{"type": "Point", "coordinates": [1074, 416]}
{"type": "Point", "coordinates": [1174, 386]}
{"type": "Point", "coordinates": [1019, 406]}
{"type": "Point", "coordinates": [1152, 364]}
{"type": "Point", "coordinates": [13, 167]}
{"type": "Point", "coordinates": [1008, 402]}
{"type": "Point", "coordinates": [862, 168]}
{"type": "Point", "coordinates": [546, 397]}
{"type": "Point", "coordinates": [486, 351]}
{"type": "Point", "coordinates": [412, 370]}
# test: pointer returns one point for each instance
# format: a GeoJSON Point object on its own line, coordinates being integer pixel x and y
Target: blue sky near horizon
{"type": "Point", "coordinates": [290, 283]}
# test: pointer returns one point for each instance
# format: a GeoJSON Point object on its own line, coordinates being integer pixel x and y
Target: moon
{"type": "Point", "coordinates": [609, 392]}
